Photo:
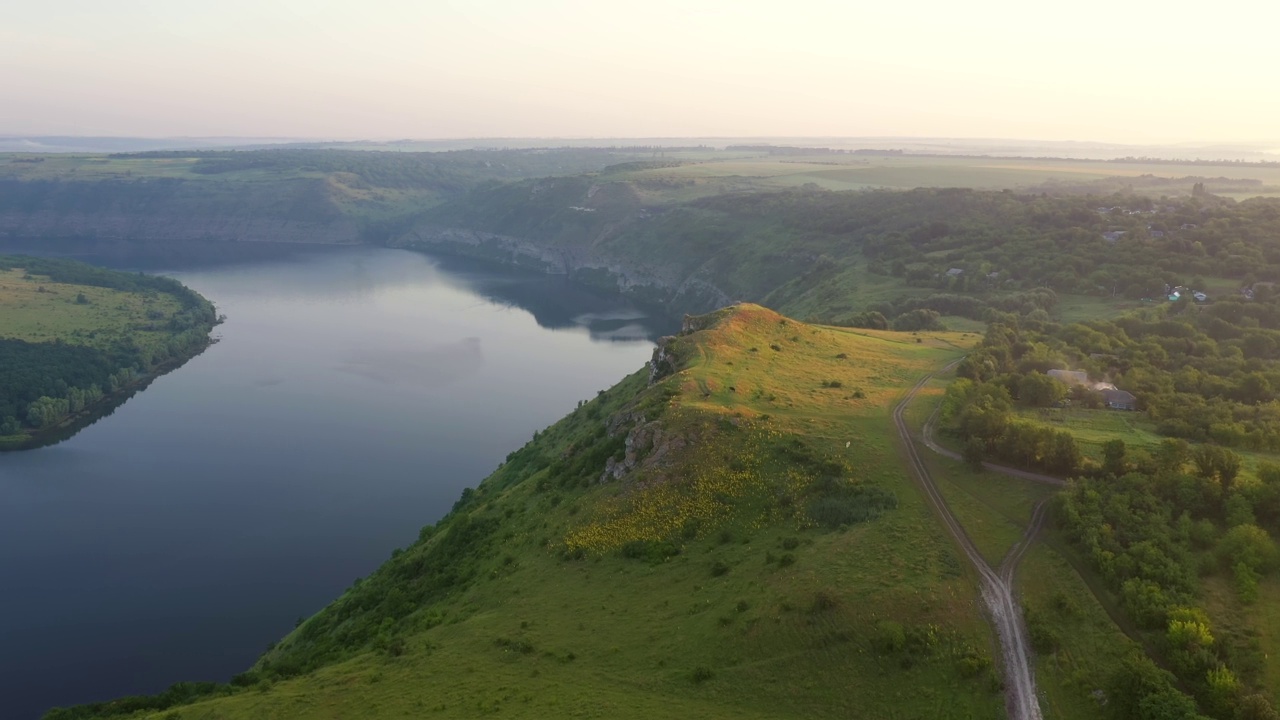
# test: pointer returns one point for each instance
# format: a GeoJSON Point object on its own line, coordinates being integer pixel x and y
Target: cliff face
{"type": "Point", "coordinates": [174, 224]}
{"type": "Point", "coordinates": [592, 232]}
{"type": "Point", "coordinates": [590, 263]}
{"type": "Point", "coordinates": [294, 211]}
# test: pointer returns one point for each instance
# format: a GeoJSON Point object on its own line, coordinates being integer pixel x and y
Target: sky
{"type": "Point", "coordinates": [1125, 71]}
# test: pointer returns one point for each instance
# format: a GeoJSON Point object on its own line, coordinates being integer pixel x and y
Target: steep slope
{"type": "Point", "coordinates": [728, 533]}
{"type": "Point", "coordinates": [96, 203]}
{"type": "Point", "coordinates": [830, 255]}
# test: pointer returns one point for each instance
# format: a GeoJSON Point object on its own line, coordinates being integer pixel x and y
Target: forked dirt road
{"type": "Point", "coordinates": [997, 584]}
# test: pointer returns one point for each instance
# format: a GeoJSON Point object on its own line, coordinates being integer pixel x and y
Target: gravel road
{"type": "Point", "coordinates": [997, 584]}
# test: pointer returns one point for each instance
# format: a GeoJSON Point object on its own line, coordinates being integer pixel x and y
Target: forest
{"type": "Point", "coordinates": [814, 253]}
{"type": "Point", "coordinates": [1155, 524]}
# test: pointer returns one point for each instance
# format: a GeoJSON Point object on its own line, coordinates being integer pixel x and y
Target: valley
{"type": "Point", "coordinates": [852, 500]}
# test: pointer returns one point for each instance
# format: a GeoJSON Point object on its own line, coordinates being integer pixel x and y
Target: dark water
{"type": "Point", "coordinates": [352, 396]}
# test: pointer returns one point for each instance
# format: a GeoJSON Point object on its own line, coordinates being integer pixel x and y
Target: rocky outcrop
{"type": "Point", "coordinates": [648, 447]}
{"type": "Point", "coordinates": [663, 362]}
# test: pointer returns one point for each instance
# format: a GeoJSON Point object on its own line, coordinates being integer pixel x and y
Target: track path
{"type": "Point", "coordinates": [1021, 702]}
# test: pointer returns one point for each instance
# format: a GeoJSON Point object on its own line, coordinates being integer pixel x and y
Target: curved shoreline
{"type": "Point", "coordinates": [70, 425]}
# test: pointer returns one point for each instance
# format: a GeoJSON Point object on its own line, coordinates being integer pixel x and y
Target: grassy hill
{"type": "Point", "coordinates": [74, 339]}
{"type": "Point", "coordinates": [736, 537]}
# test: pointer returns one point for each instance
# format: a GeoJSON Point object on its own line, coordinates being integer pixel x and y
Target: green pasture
{"type": "Point", "coordinates": [38, 310]}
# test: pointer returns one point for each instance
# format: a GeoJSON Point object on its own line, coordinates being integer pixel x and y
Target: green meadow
{"type": "Point", "coordinates": [37, 309]}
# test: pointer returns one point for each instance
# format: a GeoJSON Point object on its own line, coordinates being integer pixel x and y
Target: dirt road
{"type": "Point", "coordinates": [997, 585]}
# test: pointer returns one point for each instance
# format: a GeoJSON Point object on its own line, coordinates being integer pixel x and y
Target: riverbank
{"type": "Point", "coordinates": [75, 422]}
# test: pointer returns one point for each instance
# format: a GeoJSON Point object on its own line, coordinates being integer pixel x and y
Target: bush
{"type": "Point", "coordinates": [649, 550]}
{"type": "Point", "coordinates": [851, 504]}
{"type": "Point", "coordinates": [972, 663]}
{"type": "Point", "coordinates": [890, 637]}
{"type": "Point", "coordinates": [701, 674]}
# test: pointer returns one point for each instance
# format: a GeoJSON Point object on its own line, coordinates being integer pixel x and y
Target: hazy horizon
{"type": "Point", "coordinates": [1138, 74]}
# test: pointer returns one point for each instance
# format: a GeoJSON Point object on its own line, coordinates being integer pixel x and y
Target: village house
{"type": "Point", "coordinates": [1114, 398]}
{"type": "Point", "coordinates": [1120, 399]}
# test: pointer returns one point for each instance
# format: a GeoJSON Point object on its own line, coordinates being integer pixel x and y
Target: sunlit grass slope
{"type": "Point", "coordinates": [757, 551]}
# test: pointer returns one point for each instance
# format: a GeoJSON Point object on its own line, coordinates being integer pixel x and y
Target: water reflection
{"type": "Point", "coordinates": [354, 393]}
{"type": "Point", "coordinates": [555, 302]}
{"type": "Point", "coordinates": [430, 367]}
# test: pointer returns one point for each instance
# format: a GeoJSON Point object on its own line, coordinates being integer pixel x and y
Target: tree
{"type": "Point", "coordinates": [1251, 545]}
{"type": "Point", "coordinates": [1113, 458]}
{"type": "Point", "coordinates": [1255, 707]}
{"type": "Point", "coordinates": [1171, 454]}
{"type": "Point", "coordinates": [1217, 463]}
{"type": "Point", "coordinates": [1064, 454]}
{"type": "Point", "coordinates": [1188, 628]}
{"type": "Point", "coordinates": [1039, 390]}
{"type": "Point", "coordinates": [975, 452]}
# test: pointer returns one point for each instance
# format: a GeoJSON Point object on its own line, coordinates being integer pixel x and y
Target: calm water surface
{"type": "Point", "coordinates": [352, 396]}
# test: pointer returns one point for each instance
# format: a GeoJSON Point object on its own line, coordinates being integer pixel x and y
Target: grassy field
{"type": "Point", "coordinates": [762, 613]}
{"type": "Point", "coordinates": [993, 508]}
{"type": "Point", "coordinates": [1083, 646]}
{"type": "Point", "coordinates": [849, 172]}
{"type": "Point", "coordinates": [38, 310]}
{"type": "Point", "coordinates": [1093, 428]}
{"type": "Point", "coordinates": [709, 172]}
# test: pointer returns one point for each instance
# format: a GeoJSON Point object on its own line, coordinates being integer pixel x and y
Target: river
{"type": "Point", "coordinates": [351, 396]}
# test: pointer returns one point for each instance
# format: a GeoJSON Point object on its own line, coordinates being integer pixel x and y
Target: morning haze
{"type": "Point", "coordinates": [1133, 72]}
{"type": "Point", "coordinates": [787, 360]}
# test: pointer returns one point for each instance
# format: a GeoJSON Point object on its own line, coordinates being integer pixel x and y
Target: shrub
{"type": "Point", "coordinates": [972, 663]}
{"type": "Point", "coordinates": [890, 637]}
{"type": "Point", "coordinates": [701, 674]}
{"type": "Point", "coordinates": [649, 550]}
{"type": "Point", "coordinates": [850, 504]}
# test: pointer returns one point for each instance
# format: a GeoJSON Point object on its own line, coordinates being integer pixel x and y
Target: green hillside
{"type": "Point", "coordinates": [737, 538]}
{"type": "Point", "coordinates": [837, 256]}
{"type": "Point", "coordinates": [75, 338]}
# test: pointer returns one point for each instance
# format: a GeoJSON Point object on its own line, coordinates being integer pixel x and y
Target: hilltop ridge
{"type": "Point", "coordinates": [733, 535]}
